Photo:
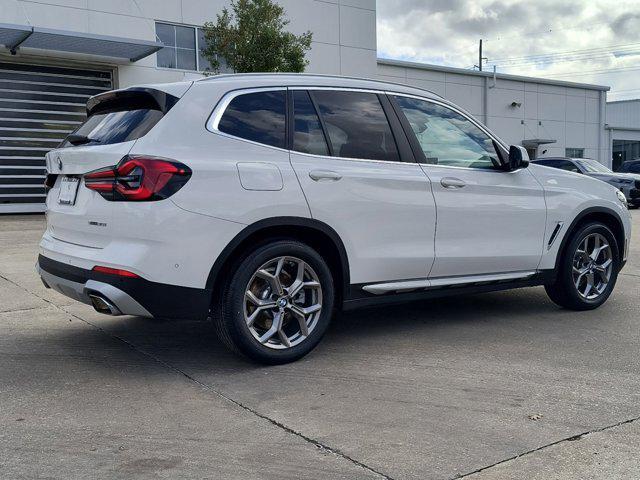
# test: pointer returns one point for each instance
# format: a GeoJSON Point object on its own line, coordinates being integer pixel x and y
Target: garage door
{"type": "Point", "coordinates": [39, 106]}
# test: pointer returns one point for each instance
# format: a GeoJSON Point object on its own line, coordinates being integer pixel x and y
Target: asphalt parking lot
{"type": "Point", "coordinates": [494, 386]}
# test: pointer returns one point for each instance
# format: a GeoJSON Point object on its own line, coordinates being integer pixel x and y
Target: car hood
{"type": "Point", "coordinates": [557, 179]}
{"type": "Point", "coordinates": [614, 175]}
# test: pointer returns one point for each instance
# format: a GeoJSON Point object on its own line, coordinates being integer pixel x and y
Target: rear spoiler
{"type": "Point", "coordinates": [133, 98]}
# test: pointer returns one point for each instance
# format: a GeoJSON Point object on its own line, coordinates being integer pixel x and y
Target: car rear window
{"type": "Point", "coordinates": [258, 116]}
{"type": "Point", "coordinates": [116, 126]}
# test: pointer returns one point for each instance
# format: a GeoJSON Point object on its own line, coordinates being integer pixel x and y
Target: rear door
{"type": "Point", "coordinates": [352, 167]}
{"type": "Point", "coordinates": [116, 120]}
{"type": "Point", "coordinates": [489, 221]}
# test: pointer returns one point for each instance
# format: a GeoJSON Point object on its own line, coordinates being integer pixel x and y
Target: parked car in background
{"type": "Point", "coordinates": [630, 166]}
{"type": "Point", "coordinates": [627, 183]}
{"type": "Point", "coordinates": [268, 202]}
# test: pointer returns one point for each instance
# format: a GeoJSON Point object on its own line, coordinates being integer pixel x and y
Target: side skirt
{"type": "Point", "coordinates": [359, 298]}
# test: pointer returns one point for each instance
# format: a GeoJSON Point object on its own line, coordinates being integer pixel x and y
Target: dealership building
{"type": "Point", "coordinates": [54, 54]}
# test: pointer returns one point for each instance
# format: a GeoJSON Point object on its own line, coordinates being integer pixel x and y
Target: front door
{"type": "Point", "coordinates": [352, 174]}
{"type": "Point", "coordinates": [488, 220]}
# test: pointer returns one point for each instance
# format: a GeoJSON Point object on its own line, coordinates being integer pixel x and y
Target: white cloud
{"type": "Point", "coordinates": [522, 37]}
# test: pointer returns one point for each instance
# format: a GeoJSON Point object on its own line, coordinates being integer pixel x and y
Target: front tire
{"type": "Point", "coordinates": [278, 303]}
{"type": "Point", "coordinates": [588, 269]}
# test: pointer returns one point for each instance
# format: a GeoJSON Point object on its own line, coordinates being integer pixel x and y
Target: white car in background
{"type": "Point", "coordinates": [268, 202]}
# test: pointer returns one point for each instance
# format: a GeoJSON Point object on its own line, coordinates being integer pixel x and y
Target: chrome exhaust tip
{"type": "Point", "coordinates": [103, 305]}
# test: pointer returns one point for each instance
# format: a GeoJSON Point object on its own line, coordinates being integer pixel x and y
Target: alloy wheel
{"type": "Point", "coordinates": [592, 266]}
{"type": "Point", "coordinates": [283, 302]}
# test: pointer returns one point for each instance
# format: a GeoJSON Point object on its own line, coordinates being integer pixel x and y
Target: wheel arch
{"type": "Point", "coordinates": [314, 233]}
{"type": "Point", "coordinates": [604, 215]}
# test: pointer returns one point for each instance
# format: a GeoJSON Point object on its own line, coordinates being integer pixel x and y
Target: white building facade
{"type": "Point", "coordinates": [54, 54]}
{"type": "Point", "coordinates": [623, 131]}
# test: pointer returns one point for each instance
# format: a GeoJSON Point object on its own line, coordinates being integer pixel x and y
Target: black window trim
{"type": "Point", "coordinates": [314, 102]}
{"type": "Point", "coordinates": [415, 144]}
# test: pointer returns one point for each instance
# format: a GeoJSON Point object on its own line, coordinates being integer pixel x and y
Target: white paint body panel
{"type": "Point", "coordinates": [494, 223]}
{"type": "Point", "coordinates": [383, 212]}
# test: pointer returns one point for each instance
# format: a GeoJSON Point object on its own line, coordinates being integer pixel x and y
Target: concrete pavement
{"type": "Point", "coordinates": [495, 386]}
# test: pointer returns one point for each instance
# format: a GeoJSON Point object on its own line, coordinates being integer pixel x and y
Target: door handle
{"type": "Point", "coordinates": [452, 182]}
{"type": "Point", "coordinates": [320, 175]}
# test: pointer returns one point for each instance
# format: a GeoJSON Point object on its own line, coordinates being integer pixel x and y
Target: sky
{"type": "Point", "coordinates": [586, 41]}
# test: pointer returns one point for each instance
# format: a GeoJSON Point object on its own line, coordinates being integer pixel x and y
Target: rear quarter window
{"type": "Point", "coordinates": [258, 116]}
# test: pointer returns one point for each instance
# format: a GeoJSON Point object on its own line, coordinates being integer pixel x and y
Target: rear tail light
{"type": "Point", "coordinates": [139, 179]}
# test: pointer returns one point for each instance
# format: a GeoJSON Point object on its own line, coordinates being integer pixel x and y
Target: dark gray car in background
{"type": "Point", "coordinates": [627, 183]}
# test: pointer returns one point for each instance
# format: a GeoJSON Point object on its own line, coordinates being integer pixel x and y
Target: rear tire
{"type": "Point", "coordinates": [588, 269]}
{"type": "Point", "coordinates": [277, 304]}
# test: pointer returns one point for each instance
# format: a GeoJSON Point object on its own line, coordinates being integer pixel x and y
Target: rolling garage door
{"type": "Point", "coordinates": [39, 106]}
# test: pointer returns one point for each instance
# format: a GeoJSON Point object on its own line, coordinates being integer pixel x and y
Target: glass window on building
{"type": "Point", "coordinates": [624, 150]}
{"type": "Point", "coordinates": [574, 152]}
{"type": "Point", "coordinates": [183, 48]}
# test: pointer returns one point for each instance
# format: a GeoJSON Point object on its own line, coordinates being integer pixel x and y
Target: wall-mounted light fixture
{"type": "Point", "coordinates": [516, 104]}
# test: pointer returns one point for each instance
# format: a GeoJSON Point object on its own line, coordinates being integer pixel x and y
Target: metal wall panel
{"type": "Point", "coordinates": [39, 106]}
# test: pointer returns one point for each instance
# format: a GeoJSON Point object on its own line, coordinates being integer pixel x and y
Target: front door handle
{"type": "Point", "coordinates": [320, 175]}
{"type": "Point", "coordinates": [452, 182]}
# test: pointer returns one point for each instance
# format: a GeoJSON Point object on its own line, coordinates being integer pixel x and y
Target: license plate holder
{"type": "Point", "coordinates": [68, 190]}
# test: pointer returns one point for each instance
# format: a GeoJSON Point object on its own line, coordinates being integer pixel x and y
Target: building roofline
{"type": "Point", "coordinates": [505, 76]}
{"type": "Point", "coordinates": [629, 100]}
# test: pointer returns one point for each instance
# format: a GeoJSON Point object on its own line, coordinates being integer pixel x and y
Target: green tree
{"type": "Point", "coordinates": [252, 38]}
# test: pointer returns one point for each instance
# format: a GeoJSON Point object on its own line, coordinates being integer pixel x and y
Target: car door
{"type": "Point", "coordinates": [489, 220]}
{"type": "Point", "coordinates": [359, 177]}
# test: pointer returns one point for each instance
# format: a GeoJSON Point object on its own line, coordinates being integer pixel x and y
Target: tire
{"type": "Point", "coordinates": [564, 291]}
{"type": "Point", "coordinates": [253, 288]}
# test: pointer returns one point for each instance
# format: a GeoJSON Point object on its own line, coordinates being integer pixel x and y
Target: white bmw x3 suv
{"type": "Point", "coordinates": [269, 202]}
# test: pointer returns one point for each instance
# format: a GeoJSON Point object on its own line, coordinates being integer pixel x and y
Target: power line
{"type": "Point", "coordinates": [550, 29]}
{"type": "Point", "coordinates": [580, 51]}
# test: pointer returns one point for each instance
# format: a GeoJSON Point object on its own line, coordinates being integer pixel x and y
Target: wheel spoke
{"type": "Point", "coordinates": [275, 327]}
{"type": "Point", "coordinates": [580, 271]}
{"type": "Point", "coordinates": [274, 281]}
{"type": "Point", "coordinates": [597, 251]}
{"type": "Point", "coordinates": [283, 338]}
{"type": "Point", "coordinates": [590, 284]}
{"type": "Point", "coordinates": [249, 295]}
{"type": "Point", "coordinates": [603, 271]}
{"type": "Point", "coordinates": [302, 319]}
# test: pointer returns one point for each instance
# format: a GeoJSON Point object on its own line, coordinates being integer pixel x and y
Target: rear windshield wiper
{"type": "Point", "coordinates": [76, 139]}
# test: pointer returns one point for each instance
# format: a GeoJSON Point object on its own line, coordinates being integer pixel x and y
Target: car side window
{"type": "Point", "coordinates": [308, 136]}
{"type": "Point", "coordinates": [568, 166]}
{"type": "Point", "coordinates": [356, 125]}
{"type": "Point", "coordinates": [257, 116]}
{"type": "Point", "coordinates": [448, 138]}
{"type": "Point", "coordinates": [546, 163]}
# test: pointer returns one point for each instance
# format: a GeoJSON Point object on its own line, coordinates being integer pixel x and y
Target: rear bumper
{"type": "Point", "coordinates": [124, 296]}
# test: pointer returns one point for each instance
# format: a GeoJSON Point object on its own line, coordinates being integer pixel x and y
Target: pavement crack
{"type": "Point", "coordinates": [572, 438]}
{"type": "Point", "coordinates": [324, 448]}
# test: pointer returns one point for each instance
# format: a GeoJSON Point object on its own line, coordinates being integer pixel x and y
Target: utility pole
{"type": "Point", "coordinates": [480, 56]}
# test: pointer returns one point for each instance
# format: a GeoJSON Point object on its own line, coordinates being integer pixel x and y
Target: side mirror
{"type": "Point", "coordinates": [518, 158]}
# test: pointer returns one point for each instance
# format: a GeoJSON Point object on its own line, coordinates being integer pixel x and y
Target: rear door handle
{"type": "Point", "coordinates": [452, 182]}
{"type": "Point", "coordinates": [320, 175]}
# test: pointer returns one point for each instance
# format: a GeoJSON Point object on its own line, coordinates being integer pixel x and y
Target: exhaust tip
{"type": "Point", "coordinates": [102, 305]}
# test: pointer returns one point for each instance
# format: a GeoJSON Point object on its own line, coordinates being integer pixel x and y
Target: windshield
{"type": "Point", "coordinates": [591, 166]}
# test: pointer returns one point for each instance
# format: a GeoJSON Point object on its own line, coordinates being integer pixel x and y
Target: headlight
{"type": "Point", "coordinates": [622, 198]}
